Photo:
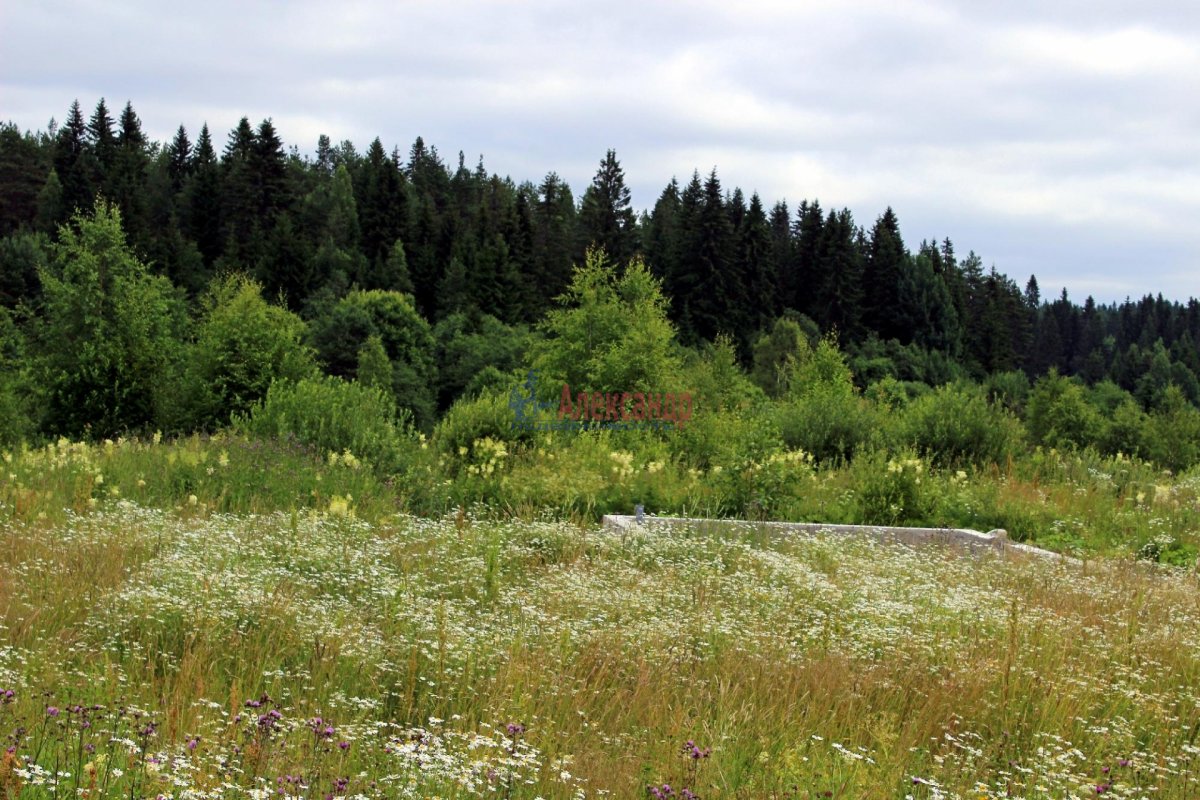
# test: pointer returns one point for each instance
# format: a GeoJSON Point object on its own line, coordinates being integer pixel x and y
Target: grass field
{"type": "Point", "coordinates": [248, 621]}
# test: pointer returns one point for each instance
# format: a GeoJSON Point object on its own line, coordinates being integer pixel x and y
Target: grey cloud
{"type": "Point", "coordinates": [1051, 138]}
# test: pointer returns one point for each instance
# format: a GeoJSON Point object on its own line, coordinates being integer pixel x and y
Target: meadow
{"type": "Point", "coordinates": [234, 617]}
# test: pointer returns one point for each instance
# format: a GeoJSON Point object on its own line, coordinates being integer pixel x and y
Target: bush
{"type": "Point", "coordinates": [894, 492]}
{"type": "Point", "coordinates": [487, 416]}
{"type": "Point", "coordinates": [244, 345]}
{"type": "Point", "coordinates": [16, 423]}
{"type": "Point", "coordinates": [831, 424]}
{"type": "Point", "coordinates": [614, 335]}
{"type": "Point", "coordinates": [1129, 431]}
{"type": "Point", "coordinates": [335, 416]}
{"type": "Point", "coordinates": [339, 331]}
{"type": "Point", "coordinates": [1008, 389]}
{"type": "Point", "coordinates": [1175, 431]}
{"type": "Point", "coordinates": [1059, 414]}
{"type": "Point", "coordinates": [956, 424]}
{"type": "Point", "coordinates": [725, 439]}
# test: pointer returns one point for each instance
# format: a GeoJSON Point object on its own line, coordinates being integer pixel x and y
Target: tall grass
{"type": "Point", "coordinates": [309, 652]}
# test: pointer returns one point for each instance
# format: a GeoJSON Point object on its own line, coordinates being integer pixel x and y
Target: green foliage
{"type": "Point", "coordinates": [889, 394]}
{"type": "Point", "coordinates": [825, 371]}
{"type": "Point", "coordinates": [109, 332]}
{"type": "Point", "coordinates": [776, 354]}
{"type": "Point", "coordinates": [955, 424]}
{"type": "Point", "coordinates": [467, 345]}
{"type": "Point", "coordinates": [374, 368]}
{"type": "Point", "coordinates": [243, 344]}
{"type": "Point", "coordinates": [613, 334]}
{"type": "Point", "coordinates": [487, 416]}
{"type": "Point", "coordinates": [1009, 389]}
{"type": "Point", "coordinates": [1175, 431]}
{"type": "Point", "coordinates": [21, 256]}
{"type": "Point", "coordinates": [823, 414]}
{"type": "Point", "coordinates": [340, 329]}
{"type": "Point", "coordinates": [1059, 415]}
{"type": "Point", "coordinates": [335, 416]}
{"type": "Point", "coordinates": [894, 491]}
{"type": "Point", "coordinates": [1129, 431]}
{"type": "Point", "coordinates": [16, 423]}
{"type": "Point", "coordinates": [721, 439]}
{"type": "Point", "coordinates": [717, 382]}
{"type": "Point", "coordinates": [829, 422]}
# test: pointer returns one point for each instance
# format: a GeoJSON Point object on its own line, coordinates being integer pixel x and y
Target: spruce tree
{"type": "Point", "coordinates": [606, 218]}
{"type": "Point", "coordinates": [840, 265]}
{"type": "Point", "coordinates": [102, 142]}
{"type": "Point", "coordinates": [72, 162]}
{"type": "Point", "coordinates": [756, 275]}
{"type": "Point", "coordinates": [201, 206]}
{"type": "Point", "coordinates": [553, 236]}
{"type": "Point", "coordinates": [179, 155]}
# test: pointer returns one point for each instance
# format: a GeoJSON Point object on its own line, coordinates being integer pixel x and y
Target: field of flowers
{"type": "Point", "coordinates": [234, 619]}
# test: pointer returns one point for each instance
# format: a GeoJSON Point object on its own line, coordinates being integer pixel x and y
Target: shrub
{"type": "Point", "coordinates": [335, 416]}
{"type": "Point", "coordinates": [487, 416]}
{"type": "Point", "coordinates": [1008, 389]}
{"type": "Point", "coordinates": [893, 492]}
{"type": "Point", "coordinates": [725, 438]}
{"type": "Point", "coordinates": [1129, 431]}
{"type": "Point", "coordinates": [16, 423]}
{"type": "Point", "coordinates": [776, 353]}
{"type": "Point", "coordinates": [1175, 428]}
{"type": "Point", "coordinates": [831, 424]}
{"type": "Point", "coordinates": [717, 382]}
{"type": "Point", "coordinates": [956, 424]}
{"type": "Point", "coordinates": [339, 331]}
{"type": "Point", "coordinates": [614, 334]}
{"type": "Point", "coordinates": [1059, 415]}
{"type": "Point", "coordinates": [244, 344]}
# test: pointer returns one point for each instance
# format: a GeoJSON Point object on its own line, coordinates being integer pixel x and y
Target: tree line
{"type": "Point", "coordinates": [473, 249]}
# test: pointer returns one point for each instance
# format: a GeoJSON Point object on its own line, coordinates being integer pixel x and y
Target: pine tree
{"type": "Point", "coordinates": [662, 233]}
{"type": "Point", "coordinates": [127, 178]}
{"type": "Point", "coordinates": [51, 207]}
{"type": "Point", "coordinates": [709, 252]}
{"type": "Point", "coordinates": [383, 203]}
{"type": "Point", "coordinates": [394, 276]}
{"type": "Point", "coordinates": [269, 167]}
{"type": "Point", "coordinates": [783, 255]}
{"type": "Point", "coordinates": [886, 269]}
{"type": "Point", "coordinates": [840, 264]}
{"type": "Point", "coordinates": [809, 222]}
{"type": "Point", "coordinates": [23, 173]}
{"type": "Point", "coordinates": [239, 192]}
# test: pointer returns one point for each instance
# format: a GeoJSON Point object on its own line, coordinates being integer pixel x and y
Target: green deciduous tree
{"type": "Point", "coordinates": [242, 345]}
{"type": "Point", "coordinates": [612, 334]}
{"type": "Point", "coordinates": [109, 331]}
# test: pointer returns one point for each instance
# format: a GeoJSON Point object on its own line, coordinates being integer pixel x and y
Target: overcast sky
{"type": "Point", "coordinates": [1056, 138]}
